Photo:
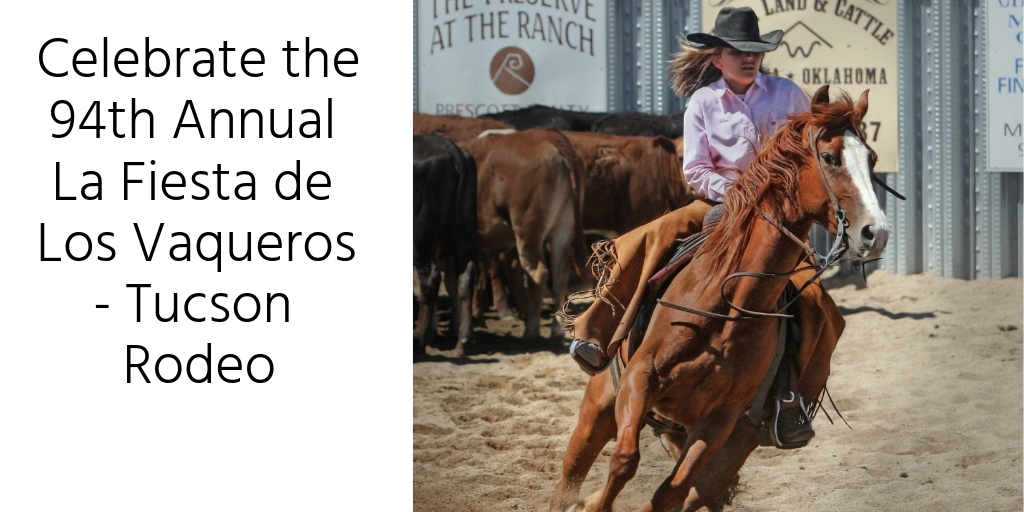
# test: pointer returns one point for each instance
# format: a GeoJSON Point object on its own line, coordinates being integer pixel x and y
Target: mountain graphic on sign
{"type": "Point", "coordinates": [801, 39]}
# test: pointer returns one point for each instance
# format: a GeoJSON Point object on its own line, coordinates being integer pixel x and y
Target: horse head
{"type": "Point", "coordinates": [838, 173]}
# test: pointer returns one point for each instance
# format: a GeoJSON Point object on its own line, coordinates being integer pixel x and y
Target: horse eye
{"type": "Point", "coordinates": [828, 158]}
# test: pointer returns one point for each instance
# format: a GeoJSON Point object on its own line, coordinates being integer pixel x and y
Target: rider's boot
{"type": "Point", "coordinates": [792, 424]}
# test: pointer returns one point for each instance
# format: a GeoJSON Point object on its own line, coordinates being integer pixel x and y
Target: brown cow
{"type": "Point", "coordinates": [529, 194]}
{"type": "Point", "coordinates": [457, 128]}
{"type": "Point", "coordinates": [630, 180]}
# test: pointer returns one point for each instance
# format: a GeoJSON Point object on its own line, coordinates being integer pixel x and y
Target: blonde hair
{"type": "Point", "coordinates": [692, 68]}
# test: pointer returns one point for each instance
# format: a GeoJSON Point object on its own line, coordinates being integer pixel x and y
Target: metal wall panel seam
{"type": "Point", "coordinates": [929, 60]}
{"type": "Point", "coordinates": [935, 184]}
{"type": "Point", "coordinates": [954, 170]}
{"type": "Point", "coordinates": [930, 135]}
{"type": "Point", "coordinates": [984, 258]}
{"type": "Point", "coordinates": [912, 214]}
{"type": "Point", "coordinates": [612, 65]}
{"type": "Point", "coordinates": [944, 204]}
{"type": "Point", "coordinates": [1011, 233]}
{"type": "Point", "coordinates": [645, 29]}
{"type": "Point", "coordinates": [658, 47]}
{"type": "Point", "coordinates": [915, 213]}
{"type": "Point", "coordinates": [976, 207]}
{"type": "Point", "coordinates": [980, 261]}
{"type": "Point", "coordinates": [629, 55]}
{"type": "Point", "coordinates": [896, 252]}
{"type": "Point", "coordinates": [677, 20]}
{"type": "Point", "coordinates": [965, 250]}
{"type": "Point", "coordinates": [415, 56]}
{"type": "Point", "coordinates": [1014, 183]}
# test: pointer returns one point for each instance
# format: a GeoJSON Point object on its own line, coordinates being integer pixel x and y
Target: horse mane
{"type": "Point", "coordinates": [770, 181]}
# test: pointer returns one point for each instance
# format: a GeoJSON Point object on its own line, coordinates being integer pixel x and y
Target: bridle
{"type": "Point", "coordinates": [819, 263]}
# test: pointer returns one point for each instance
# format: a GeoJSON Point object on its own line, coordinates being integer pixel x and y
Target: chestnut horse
{"type": "Point", "coordinates": [703, 370]}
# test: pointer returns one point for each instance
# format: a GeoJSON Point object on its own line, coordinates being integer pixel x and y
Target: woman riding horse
{"type": "Point", "coordinates": [711, 340]}
{"type": "Point", "coordinates": [734, 105]}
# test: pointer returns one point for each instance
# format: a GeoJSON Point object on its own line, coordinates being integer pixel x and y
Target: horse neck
{"type": "Point", "coordinates": [768, 250]}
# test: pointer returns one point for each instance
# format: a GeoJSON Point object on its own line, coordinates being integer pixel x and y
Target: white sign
{"type": "Point", "coordinates": [485, 56]}
{"type": "Point", "coordinates": [1005, 92]}
{"type": "Point", "coordinates": [851, 45]}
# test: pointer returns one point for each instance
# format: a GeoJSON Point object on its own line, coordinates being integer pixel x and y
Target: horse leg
{"type": "Point", "coordinates": [430, 281]}
{"type": "Point", "coordinates": [631, 404]}
{"type": "Point", "coordinates": [595, 427]}
{"type": "Point", "coordinates": [713, 486]}
{"type": "Point", "coordinates": [701, 446]}
{"type": "Point", "coordinates": [673, 442]}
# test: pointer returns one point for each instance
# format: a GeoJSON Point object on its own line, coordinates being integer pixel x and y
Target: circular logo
{"type": "Point", "coordinates": [511, 70]}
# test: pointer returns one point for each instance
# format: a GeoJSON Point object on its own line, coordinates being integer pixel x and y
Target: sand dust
{"type": "Point", "coordinates": [928, 374]}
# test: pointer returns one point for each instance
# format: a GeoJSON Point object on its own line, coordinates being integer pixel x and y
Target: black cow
{"type": "Point", "coordinates": [540, 116]}
{"type": "Point", "coordinates": [640, 124]}
{"type": "Point", "coordinates": [444, 229]}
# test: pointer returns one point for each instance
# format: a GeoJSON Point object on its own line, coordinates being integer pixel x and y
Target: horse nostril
{"type": "Point", "coordinates": [868, 233]}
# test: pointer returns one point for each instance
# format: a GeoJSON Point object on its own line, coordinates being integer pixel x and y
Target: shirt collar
{"type": "Point", "coordinates": [719, 86]}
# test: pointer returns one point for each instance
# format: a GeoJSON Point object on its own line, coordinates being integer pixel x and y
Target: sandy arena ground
{"type": "Point", "coordinates": [928, 374]}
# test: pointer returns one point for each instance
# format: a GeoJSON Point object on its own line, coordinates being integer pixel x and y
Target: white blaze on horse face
{"type": "Point", "coordinates": [870, 233]}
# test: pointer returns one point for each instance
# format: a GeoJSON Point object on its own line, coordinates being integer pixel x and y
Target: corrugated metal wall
{"type": "Point", "coordinates": [959, 220]}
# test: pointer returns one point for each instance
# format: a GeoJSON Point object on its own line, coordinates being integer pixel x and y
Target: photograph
{"type": "Point", "coordinates": [733, 255]}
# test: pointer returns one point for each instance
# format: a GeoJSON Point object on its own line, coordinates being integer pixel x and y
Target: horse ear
{"type": "Point", "coordinates": [820, 97]}
{"type": "Point", "coordinates": [861, 107]}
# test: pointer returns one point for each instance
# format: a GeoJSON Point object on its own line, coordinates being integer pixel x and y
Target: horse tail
{"type": "Point", "coordinates": [577, 176]}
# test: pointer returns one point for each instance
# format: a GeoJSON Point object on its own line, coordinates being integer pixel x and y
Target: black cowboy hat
{"type": "Point", "coordinates": [736, 27]}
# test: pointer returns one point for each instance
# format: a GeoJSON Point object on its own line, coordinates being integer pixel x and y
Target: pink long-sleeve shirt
{"type": "Point", "coordinates": [721, 130]}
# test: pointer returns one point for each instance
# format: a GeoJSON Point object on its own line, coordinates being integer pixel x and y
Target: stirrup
{"type": "Point", "coordinates": [801, 437]}
{"type": "Point", "coordinates": [590, 357]}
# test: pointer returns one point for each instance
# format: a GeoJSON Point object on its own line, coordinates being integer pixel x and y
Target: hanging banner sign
{"type": "Point", "coordinates": [1005, 58]}
{"type": "Point", "coordinates": [485, 56]}
{"type": "Point", "coordinates": [848, 44]}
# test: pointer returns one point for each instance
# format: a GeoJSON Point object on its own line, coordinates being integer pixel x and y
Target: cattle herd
{"type": "Point", "coordinates": [504, 201]}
